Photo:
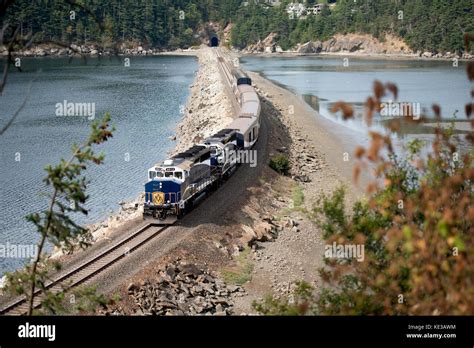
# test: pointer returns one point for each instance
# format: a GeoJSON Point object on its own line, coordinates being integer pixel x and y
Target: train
{"type": "Point", "coordinates": [176, 185]}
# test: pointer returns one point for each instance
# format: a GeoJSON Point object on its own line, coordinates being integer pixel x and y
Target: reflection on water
{"type": "Point", "coordinates": [312, 100]}
{"type": "Point", "coordinates": [323, 81]}
{"type": "Point", "coordinates": [424, 82]}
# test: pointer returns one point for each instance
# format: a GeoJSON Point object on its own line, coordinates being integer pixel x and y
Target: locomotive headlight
{"type": "Point", "coordinates": [168, 202]}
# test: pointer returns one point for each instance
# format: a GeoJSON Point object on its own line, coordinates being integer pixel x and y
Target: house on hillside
{"type": "Point", "coordinates": [300, 10]}
{"type": "Point", "coordinates": [315, 9]}
{"type": "Point", "coordinates": [296, 9]}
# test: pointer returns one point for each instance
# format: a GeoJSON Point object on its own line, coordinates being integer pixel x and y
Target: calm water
{"type": "Point", "coordinates": [144, 101]}
{"type": "Point", "coordinates": [321, 81]}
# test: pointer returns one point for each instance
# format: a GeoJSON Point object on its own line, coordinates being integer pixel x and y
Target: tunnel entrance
{"type": "Point", "coordinates": [214, 41]}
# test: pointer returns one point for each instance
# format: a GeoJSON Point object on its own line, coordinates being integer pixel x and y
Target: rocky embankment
{"type": "Point", "coordinates": [304, 159]}
{"type": "Point", "coordinates": [355, 44]}
{"type": "Point", "coordinates": [209, 108]}
{"type": "Point", "coordinates": [181, 288]}
{"type": "Point", "coordinates": [50, 50]}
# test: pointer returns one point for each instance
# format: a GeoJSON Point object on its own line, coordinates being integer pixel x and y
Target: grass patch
{"type": "Point", "coordinates": [297, 204]}
{"type": "Point", "coordinates": [241, 272]}
{"type": "Point", "coordinates": [298, 196]}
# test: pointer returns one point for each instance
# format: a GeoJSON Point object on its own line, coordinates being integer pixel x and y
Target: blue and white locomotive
{"type": "Point", "coordinates": [177, 184]}
{"type": "Point", "coordinates": [173, 184]}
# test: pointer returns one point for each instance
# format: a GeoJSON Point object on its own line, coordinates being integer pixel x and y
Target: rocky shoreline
{"type": "Point", "coordinates": [361, 45]}
{"type": "Point", "coordinates": [353, 44]}
{"type": "Point", "coordinates": [50, 50]}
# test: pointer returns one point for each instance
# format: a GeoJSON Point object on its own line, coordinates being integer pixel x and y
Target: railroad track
{"type": "Point", "coordinates": [90, 268]}
{"type": "Point", "coordinates": [223, 66]}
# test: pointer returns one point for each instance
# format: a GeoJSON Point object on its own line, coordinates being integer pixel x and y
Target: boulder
{"type": "Point", "coordinates": [269, 49]}
{"type": "Point", "coordinates": [318, 46]}
{"type": "Point", "coordinates": [40, 52]}
{"type": "Point", "coordinates": [131, 288]}
{"type": "Point", "coordinates": [248, 235]}
{"type": "Point", "coordinates": [264, 230]}
{"type": "Point", "coordinates": [309, 48]}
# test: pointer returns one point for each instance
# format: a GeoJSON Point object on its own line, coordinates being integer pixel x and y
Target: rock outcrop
{"type": "Point", "coordinates": [181, 289]}
{"type": "Point", "coordinates": [267, 45]}
{"type": "Point", "coordinates": [310, 47]}
{"type": "Point", "coordinates": [362, 44]}
{"type": "Point", "coordinates": [227, 32]}
{"type": "Point", "coordinates": [356, 43]}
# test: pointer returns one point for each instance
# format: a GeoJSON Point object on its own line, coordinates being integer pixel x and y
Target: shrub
{"type": "Point", "coordinates": [280, 164]}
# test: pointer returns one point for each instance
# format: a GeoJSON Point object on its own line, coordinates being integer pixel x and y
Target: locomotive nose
{"type": "Point", "coordinates": [158, 198]}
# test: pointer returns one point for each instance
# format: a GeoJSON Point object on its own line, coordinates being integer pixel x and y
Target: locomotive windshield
{"type": "Point", "coordinates": [215, 151]}
{"type": "Point", "coordinates": [154, 174]}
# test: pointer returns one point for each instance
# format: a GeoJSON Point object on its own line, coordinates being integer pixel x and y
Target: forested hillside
{"type": "Point", "coordinates": [158, 23]}
{"type": "Point", "coordinates": [434, 25]}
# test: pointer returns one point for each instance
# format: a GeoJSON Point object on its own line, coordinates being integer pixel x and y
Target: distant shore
{"type": "Point", "coordinates": [357, 55]}
{"type": "Point", "coordinates": [94, 51]}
